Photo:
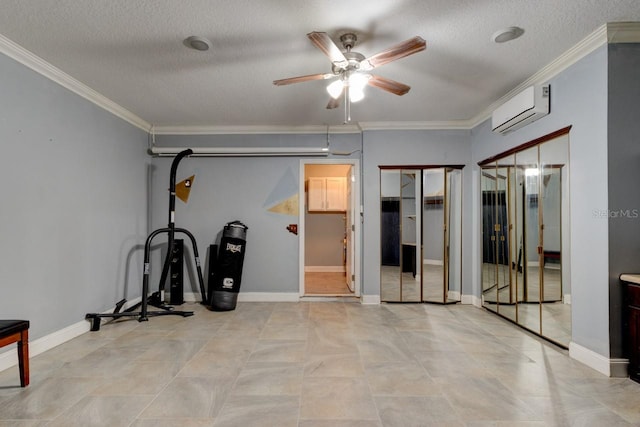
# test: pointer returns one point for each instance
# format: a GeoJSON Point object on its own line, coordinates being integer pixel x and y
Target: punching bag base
{"type": "Point", "coordinates": [223, 301]}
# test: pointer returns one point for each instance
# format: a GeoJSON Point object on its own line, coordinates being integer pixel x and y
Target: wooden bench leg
{"type": "Point", "coordinates": [23, 357]}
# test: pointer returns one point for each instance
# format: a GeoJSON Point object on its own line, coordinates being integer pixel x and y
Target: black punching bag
{"type": "Point", "coordinates": [228, 270]}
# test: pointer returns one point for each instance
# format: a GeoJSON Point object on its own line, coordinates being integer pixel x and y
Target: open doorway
{"type": "Point", "coordinates": [328, 229]}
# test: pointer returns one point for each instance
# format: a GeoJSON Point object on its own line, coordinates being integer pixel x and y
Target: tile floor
{"type": "Point", "coordinates": [315, 364]}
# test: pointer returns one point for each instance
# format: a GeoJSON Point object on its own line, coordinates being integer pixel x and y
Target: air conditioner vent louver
{"type": "Point", "coordinates": [528, 106]}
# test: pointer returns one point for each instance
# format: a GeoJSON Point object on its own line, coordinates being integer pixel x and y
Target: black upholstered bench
{"type": "Point", "coordinates": [17, 331]}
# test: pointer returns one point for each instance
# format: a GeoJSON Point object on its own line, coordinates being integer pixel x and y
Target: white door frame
{"type": "Point", "coordinates": [354, 204]}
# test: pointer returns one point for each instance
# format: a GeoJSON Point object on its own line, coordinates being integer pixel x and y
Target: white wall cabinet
{"type": "Point", "coordinates": [327, 194]}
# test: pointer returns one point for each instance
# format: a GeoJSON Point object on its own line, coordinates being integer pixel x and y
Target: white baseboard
{"type": "Point", "coordinates": [191, 296]}
{"type": "Point", "coordinates": [610, 367]}
{"type": "Point", "coordinates": [268, 297]}
{"type": "Point", "coordinates": [566, 299]}
{"type": "Point", "coordinates": [433, 262]}
{"type": "Point", "coordinates": [324, 269]}
{"type": "Point", "coordinates": [9, 358]}
{"type": "Point", "coordinates": [370, 299]}
{"type": "Point", "coordinates": [471, 300]}
{"type": "Point", "coordinates": [619, 368]}
{"type": "Point", "coordinates": [454, 295]}
{"type": "Point", "coordinates": [253, 297]}
{"type": "Point", "coordinates": [283, 297]}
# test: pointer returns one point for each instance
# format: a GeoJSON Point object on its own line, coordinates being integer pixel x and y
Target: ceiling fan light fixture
{"type": "Point", "coordinates": [335, 89]}
{"type": "Point", "coordinates": [359, 80]}
{"type": "Point", "coordinates": [356, 94]}
{"type": "Point", "coordinates": [197, 43]}
{"type": "Point", "coordinates": [357, 83]}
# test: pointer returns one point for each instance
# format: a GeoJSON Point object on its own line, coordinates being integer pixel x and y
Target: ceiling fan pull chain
{"type": "Point", "coordinates": [347, 104]}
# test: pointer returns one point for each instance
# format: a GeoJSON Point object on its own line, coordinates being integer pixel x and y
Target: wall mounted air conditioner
{"type": "Point", "coordinates": [524, 108]}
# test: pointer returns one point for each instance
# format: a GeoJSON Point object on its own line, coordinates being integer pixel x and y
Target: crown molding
{"type": "Point", "coordinates": [436, 125]}
{"type": "Point", "coordinates": [623, 32]}
{"type": "Point", "coordinates": [40, 66]}
{"type": "Point", "coordinates": [249, 130]}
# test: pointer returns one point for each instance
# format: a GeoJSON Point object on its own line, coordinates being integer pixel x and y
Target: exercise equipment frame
{"type": "Point", "coordinates": [156, 298]}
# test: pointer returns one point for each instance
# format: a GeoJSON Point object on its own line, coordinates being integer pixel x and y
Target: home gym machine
{"type": "Point", "coordinates": [156, 299]}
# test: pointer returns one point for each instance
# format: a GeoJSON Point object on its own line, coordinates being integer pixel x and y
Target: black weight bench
{"type": "Point", "coordinates": [17, 331]}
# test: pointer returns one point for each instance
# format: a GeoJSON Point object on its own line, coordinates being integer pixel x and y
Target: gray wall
{"type": "Point", "coordinates": [624, 177]}
{"type": "Point", "coordinates": [578, 98]}
{"type": "Point", "coordinates": [419, 147]}
{"type": "Point", "coordinates": [324, 239]}
{"type": "Point", "coordinates": [226, 189]}
{"type": "Point", "coordinates": [74, 208]}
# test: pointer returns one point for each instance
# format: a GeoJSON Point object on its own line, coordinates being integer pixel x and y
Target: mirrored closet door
{"type": "Point", "coordinates": [499, 280]}
{"type": "Point", "coordinates": [421, 234]}
{"type": "Point", "coordinates": [525, 245]}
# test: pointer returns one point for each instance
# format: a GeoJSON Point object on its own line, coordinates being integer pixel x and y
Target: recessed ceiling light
{"type": "Point", "coordinates": [507, 34]}
{"type": "Point", "coordinates": [197, 43]}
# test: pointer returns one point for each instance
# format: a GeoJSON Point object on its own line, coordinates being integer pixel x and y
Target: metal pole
{"type": "Point", "coordinates": [172, 218]}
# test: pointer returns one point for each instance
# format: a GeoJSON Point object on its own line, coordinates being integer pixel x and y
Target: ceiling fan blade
{"type": "Point", "coordinates": [300, 79]}
{"type": "Point", "coordinates": [329, 48]}
{"type": "Point", "coordinates": [389, 85]}
{"type": "Point", "coordinates": [334, 102]}
{"type": "Point", "coordinates": [406, 48]}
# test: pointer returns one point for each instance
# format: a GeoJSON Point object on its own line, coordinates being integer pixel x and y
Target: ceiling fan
{"type": "Point", "coordinates": [350, 69]}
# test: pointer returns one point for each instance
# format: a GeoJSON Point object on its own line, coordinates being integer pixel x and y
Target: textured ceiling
{"type": "Point", "coordinates": [132, 52]}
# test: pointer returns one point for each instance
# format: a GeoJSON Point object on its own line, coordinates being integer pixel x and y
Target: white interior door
{"type": "Point", "coordinates": [349, 232]}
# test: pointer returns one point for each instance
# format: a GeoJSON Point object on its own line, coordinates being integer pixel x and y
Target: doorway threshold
{"type": "Point", "coordinates": [329, 297]}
